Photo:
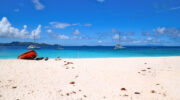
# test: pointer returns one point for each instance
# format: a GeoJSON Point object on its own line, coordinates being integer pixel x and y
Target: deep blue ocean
{"type": "Point", "coordinates": [12, 52]}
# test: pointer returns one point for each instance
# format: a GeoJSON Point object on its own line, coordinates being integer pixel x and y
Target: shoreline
{"type": "Point", "coordinates": [102, 57]}
{"type": "Point", "coordinates": [147, 78]}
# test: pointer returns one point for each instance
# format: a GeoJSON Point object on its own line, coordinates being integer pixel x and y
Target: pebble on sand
{"type": "Point", "coordinates": [67, 94]}
{"type": "Point", "coordinates": [136, 92]}
{"type": "Point", "coordinates": [123, 89]}
{"type": "Point", "coordinates": [125, 95]}
{"type": "Point", "coordinates": [72, 82]}
{"type": "Point", "coordinates": [153, 91]}
{"type": "Point", "coordinates": [14, 87]}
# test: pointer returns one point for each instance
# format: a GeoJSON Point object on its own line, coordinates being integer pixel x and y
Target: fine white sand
{"type": "Point", "coordinates": [148, 78]}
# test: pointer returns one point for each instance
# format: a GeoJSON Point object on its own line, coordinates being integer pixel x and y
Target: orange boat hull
{"type": "Point", "coordinates": [28, 55]}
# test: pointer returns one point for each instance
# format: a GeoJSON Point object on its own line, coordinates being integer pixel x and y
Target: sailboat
{"type": "Point", "coordinates": [59, 48]}
{"type": "Point", "coordinates": [118, 46]}
{"type": "Point", "coordinates": [33, 46]}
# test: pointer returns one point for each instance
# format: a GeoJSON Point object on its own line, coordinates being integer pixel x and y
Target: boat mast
{"type": "Point", "coordinates": [119, 38]}
{"type": "Point", "coordinates": [34, 37]}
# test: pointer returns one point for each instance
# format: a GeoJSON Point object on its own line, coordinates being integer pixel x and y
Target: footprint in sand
{"type": "Point", "coordinates": [9, 80]}
{"type": "Point", "coordinates": [137, 93]}
{"type": "Point", "coordinates": [85, 96]}
{"type": "Point", "coordinates": [123, 89]}
{"type": "Point", "coordinates": [104, 97]}
{"type": "Point", "coordinates": [67, 94]}
{"type": "Point", "coordinates": [124, 92]}
{"type": "Point", "coordinates": [72, 82]}
{"type": "Point", "coordinates": [160, 90]}
{"type": "Point", "coordinates": [67, 63]}
{"type": "Point", "coordinates": [76, 76]}
{"type": "Point", "coordinates": [73, 92]}
{"type": "Point", "coordinates": [14, 87]}
{"type": "Point", "coordinates": [153, 91]}
{"type": "Point", "coordinates": [146, 71]}
{"type": "Point", "coordinates": [125, 95]}
{"type": "Point", "coordinates": [148, 68]}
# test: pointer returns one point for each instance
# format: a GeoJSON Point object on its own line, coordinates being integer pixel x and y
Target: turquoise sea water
{"type": "Point", "coordinates": [12, 52]}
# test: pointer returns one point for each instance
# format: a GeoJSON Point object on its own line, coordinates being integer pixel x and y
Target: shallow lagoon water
{"type": "Point", "coordinates": [12, 52]}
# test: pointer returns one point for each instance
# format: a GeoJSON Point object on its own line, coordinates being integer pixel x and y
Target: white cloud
{"type": "Point", "coordinates": [88, 25]}
{"type": "Point", "coordinates": [168, 31]}
{"type": "Point", "coordinates": [124, 38]}
{"type": "Point", "coordinates": [173, 32]}
{"type": "Point", "coordinates": [49, 31]}
{"type": "Point", "coordinates": [7, 30]}
{"type": "Point", "coordinates": [100, 1]}
{"type": "Point", "coordinates": [149, 38]}
{"type": "Point", "coordinates": [99, 41]}
{"type": "Point", "coordinates": [60, 25]}
{"type": "Point", "coordinates": [137, 41]}
{"type": "Point", "coordinates": [57, 35]}
{"type": "Point", "coordinates": [114, 31]}
{"type": "Point", "coordinates": [116, 36]}
{"type": "Point", "coordinates": [76, 32]}
{"type": "Point", "coordinates": [159, 30]}
{"type": "Point", "coordinates": [175, 8]}
{"type": "Point", "coordinates": [38, 5]}
{"type": "Point", "coordinates": [74, 37]}
{"type": "Point", "coordinates": [16, 10]}
{"type": "Point", "coordinates": [63, 37]}
{"type": "Point", "coordinates": [77, 38]}
{"type": "Point", "coordinates": [36, 32]}
{"type": "Point", "coordinates": [75, 24]}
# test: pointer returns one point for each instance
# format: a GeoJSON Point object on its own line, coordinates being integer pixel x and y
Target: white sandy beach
{"type": "Point", "coordinates": [148, 78]}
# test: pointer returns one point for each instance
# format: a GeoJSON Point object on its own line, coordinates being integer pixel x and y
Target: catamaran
{"type": "Point", "coordinates": [33, 46]}
{"type": "Point", "coordinates": [59, 48]}
{"type": "Point", "coordinates": [118, 46]}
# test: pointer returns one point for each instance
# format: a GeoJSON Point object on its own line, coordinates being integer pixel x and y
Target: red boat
{"type": "Point", "coordinates": [28, 55]}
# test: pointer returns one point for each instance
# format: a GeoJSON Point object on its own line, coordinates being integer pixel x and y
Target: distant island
{"type": "Point", "coordinates": [16, 43]}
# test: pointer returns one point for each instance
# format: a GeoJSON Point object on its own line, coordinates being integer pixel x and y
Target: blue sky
{"type": "Point", "coordinates": [91, 22]}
